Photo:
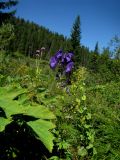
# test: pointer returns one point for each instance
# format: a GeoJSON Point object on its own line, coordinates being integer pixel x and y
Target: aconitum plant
{"type": "Point", "coordinates": [64, 61]}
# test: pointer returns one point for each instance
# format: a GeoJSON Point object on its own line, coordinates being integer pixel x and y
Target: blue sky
{"type": "Point", "coordinates": [100, 19]}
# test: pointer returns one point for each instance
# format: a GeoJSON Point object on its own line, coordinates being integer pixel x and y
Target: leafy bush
{"type": "Point", "coordinates": [15, 111]}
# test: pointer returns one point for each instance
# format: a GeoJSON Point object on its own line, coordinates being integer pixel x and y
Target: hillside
{"type": "Point", "coordinates": [29, 37]}
{"type": "Point", "coordinates": [84, 123]}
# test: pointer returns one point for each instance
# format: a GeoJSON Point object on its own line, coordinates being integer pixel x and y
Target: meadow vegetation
{"type": "Point", "coordinates": [40, 119]}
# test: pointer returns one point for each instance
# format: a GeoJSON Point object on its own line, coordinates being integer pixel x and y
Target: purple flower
{"type": "Point", "coordinates": [69, 57]}
{"type": "Point", "coordinates": [63, 58]}
{"type": "Point", "coordinates": [53, 62]}
{"type": "Point", "coordinates": [66, 58]}
{"type": "Point", "coordinates": [69, 67]}
{"type": "Point", "coordinates": [58, 55]}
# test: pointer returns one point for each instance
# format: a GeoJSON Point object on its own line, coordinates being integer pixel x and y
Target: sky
{"type": "Point", "coordinates": [100, 19]}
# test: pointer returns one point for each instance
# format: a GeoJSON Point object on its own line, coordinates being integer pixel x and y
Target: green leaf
{"type": "Point", "coordinates": [82, 152]}
{"type": "Point", "coordinates": [42, 127]}
{"type": "Point", "coordinates": [11, 107]}
{"type": "Point", "coordinates": [54, 158]}
{"type": "Point", "coordinates": [83, 97]}
{"type": "Point", "coordinates": [88, 116]}
{"type": "Point", "coordinates": [10, 92]}
{"type": "Point", "coordinates": [39, 111]}
{"type": "Point", "coordinates": [78, 101]}
{"type": "Point", "coordinates": [90, 146]}
{"type": "Point", "coordinates": [3, 123]}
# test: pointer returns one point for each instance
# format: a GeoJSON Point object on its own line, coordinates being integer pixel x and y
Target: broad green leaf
{"type": "Point", "coordinates": [3, 123]}
{"type": "Point", "coordinates": [42, 127]}
{"type": "Point", "coordinates": [10, 93]}
{"type": "Point", "coordinates": [23, 99]}
{"type": "Point", "coordinates": [11, 107]}
{"type": "Point", "coordinates": [39, 111]}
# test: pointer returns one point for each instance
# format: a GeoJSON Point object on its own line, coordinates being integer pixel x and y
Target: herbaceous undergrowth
{"type": "Point", "coordinates": [15, 108]}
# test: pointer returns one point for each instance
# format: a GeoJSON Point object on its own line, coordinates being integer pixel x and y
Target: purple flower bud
{"type": "Point", "coordinates": [69, 67]}
{"type": "Point", "coordinates": [58, 55]}
{"type": "Point", "coordinates": [53, 62]}
{"type": "Point", "coordinates": [63, 58]}
{"type": "Point", "coordinates": [69, 57]}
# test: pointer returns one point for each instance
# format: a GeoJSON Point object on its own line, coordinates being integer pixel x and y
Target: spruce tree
{"type": "Point", "coordinates": [6, 5]}
{"type": "Point", "coordinates": [96, 50]}
{"type": "Point", "coordinates": [95, 58]}
{"type": "Point", "coordinates": [75, 39]}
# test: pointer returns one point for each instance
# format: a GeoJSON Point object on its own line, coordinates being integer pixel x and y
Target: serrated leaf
{"type": "Point", "coordinates": [10, 93]}
{"type": "Point", "coordinates": [11, 107]}
{"type": "Point", "coordinates": [42, 127]}
{"type": "Point", "coordinates": [3, 123]}
{"type": "Point", "coordinates": [39, 111]}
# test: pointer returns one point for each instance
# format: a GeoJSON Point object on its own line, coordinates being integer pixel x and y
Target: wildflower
{"type": "Point", "coordinates": [58, 55]}
{"type": "Point", "coordinates": [69, 57]}
{"type": "Point", "coordinates": [65, 65]}
{"type": "Point", "coordinates": [63, 61]}
{"type": "Point", "coordinates": [53, 62]}
{"type": "Point", "coordinates": [69, 67]}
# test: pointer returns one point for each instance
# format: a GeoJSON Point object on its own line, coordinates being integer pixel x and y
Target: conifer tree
{"type": "Point", "coordinates": [95, 58]}
{"type": "Point", "coordinates": [75, 39]}
{"type": "Point", "coordinates": [6, 5]}
{"type": "Point", "coordinates": [96, 50]}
